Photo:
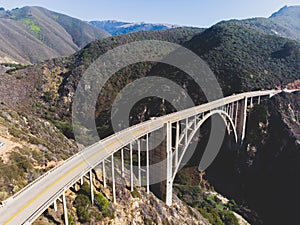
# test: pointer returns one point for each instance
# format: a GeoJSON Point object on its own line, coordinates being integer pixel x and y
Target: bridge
{"type": "Point", "coordinates": [135, 142]}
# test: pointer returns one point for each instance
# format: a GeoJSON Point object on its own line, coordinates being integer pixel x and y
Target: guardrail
{"type": "Point", "coordinates": [159, 120]}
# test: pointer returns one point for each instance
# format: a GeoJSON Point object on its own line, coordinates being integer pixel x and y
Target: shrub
{"type": "Point", "coordinates": [229, 218]}
{"type": "Point", "coordinates": [101, 202]}
{"type": "Point", "coordinates": [135, 193]}
{"type": "Point", "coordinates": [82, 204]}
{"type": "Point", "coordinates": [66, 128]}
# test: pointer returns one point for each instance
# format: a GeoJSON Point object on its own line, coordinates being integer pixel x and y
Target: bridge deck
{"type": "Point", "coordinates": [34, 199]}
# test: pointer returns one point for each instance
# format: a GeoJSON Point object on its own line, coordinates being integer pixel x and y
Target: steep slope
{"type": "Point", "coordinates": [288, 17]}
{"type": "Point", "coordinates": [60, 76]}
{"type": "Point", "coordinates": [246, 59]}
{"type": "Point", "coordinates": [117, 27]}
{"type": "Point", "coordinates": [284, 23]}
{"type": "Point", "coordinates": [33, 34]}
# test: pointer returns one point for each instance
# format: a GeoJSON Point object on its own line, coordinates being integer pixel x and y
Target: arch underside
{"type": "Point", "coordinates": [195, 128]}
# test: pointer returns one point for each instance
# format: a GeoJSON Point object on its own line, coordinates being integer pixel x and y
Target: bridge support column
{"type": "Point", "coordinates": [186, 131]}
{"type": "Point", "coordinates": [251, 102]}
{"type": "Point", "coordinates": [55, 206]}
{"type": "Point", "coordinates": [104, 173]}
{"type": "Point", "coordinates": [122, 163]}
{"type": "Point", "coordinates": [113, 178]}
{"type": "Point", "coordinates": [131, 168]}
{"type": "Point", "coordinates": [147, 164]}
{"type": "Point", "coordinates": [244, 119]}
{"type": "Point", "coordinates": [236, 114]}
{"type": "Point", "coordinates": [169, 180]}
{"type": "Point", "coordinates": [176, 144]}
{"type": "Point", "coordinates": [241, 119]}
{"type": "Point", "coordinates": [91, 186]}
{"type": "Point", "coordinates": [65, 209]}
{"type": "Point", "coordinates": [139, 164]}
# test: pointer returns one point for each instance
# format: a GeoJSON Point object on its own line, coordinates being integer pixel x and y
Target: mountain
{"type": "Point", "coordinates": [117, 27]}
{"type": "Point", "coordinates": [284, 23]}
{"type": "Point", "coordinates": [288, 17]}
{"type": "Point", "coordinates": [65, 73]}
{"type": "Point", "coordinates": [33, 34]}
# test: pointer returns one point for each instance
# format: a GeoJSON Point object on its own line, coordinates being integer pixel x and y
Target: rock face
{"type": "Point", "coordinates": [263, 175]}
{"type": "Point", "coordinates": [150, 210]}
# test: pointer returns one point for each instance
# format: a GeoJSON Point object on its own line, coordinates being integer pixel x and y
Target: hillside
{"type": "Point", "coordinates": [33, 34]}
{"type": "Point", "coordinates": [284, 23]}
{"type": "Point", "coordinates": [117, 27]}
{"type": "Point", "coordinates": [288, 17]}
{"type": "Point", "coordinates": [245, 59]}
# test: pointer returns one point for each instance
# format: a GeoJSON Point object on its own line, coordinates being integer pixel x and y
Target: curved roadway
{"type": "Point", "coordinates": [33, 200]}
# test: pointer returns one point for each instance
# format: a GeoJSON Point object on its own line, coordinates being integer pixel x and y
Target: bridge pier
{"type": "Point", "coordinates": [251, 102]}
{"type": "Point", "coordinates": [131, 168]}
{"type": "Point", "coordinates": [65, 209]}
{"type": "Point", "coordinates": [104, 174]}
{"type": "Point", "coordinates": [122, 163]}
{"type": "Point", "coordinates": [169, 180]}
{"type": "Point", "coordinates": [236, 114]}
{"type": "Point", "coordinates": [55, 206]}
{"type": "Point", "coordinates": [113, 178]}
{"type": "Point", "coordinates": [244, 119]}
{"type": "Point", "coordinates": [158, 166]}
{"type": "Point", "coordinates": [91, 186]}
{"type": "Point", "coordinates": [241, 119]}
{"type": "Point", "coordinates": [147, 165]}
{"type": "Point", "coordinates": [139, 164]}
{"type": "Point", "coordinates": [161, 162]}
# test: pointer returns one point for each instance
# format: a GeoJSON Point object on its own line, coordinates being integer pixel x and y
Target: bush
{"type": "Point", "coordinates": [101, 202]}
{"type": "Point", "coordinates": [229, 218]}
{"type": "Point", "coordinates": [182, 178]}
{"type": "Point", "coordinates": [212, 216]}
{"type": "Point", "coordinates": [82, 204]}
{"type": "Point", "coordinates": [135, 193]}
{"type": "Point", "coordinates": [66, 128]}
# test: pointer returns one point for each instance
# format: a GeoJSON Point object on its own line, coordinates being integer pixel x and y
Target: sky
{"type": "Point", "coordinates": [200, 13]}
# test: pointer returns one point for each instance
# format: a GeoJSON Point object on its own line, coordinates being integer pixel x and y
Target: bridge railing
{"type": "Point", "coordinates": [173, 116]}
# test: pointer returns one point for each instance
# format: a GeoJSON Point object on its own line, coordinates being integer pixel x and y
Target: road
{"type": "Point", "coordinates": [34, 199]}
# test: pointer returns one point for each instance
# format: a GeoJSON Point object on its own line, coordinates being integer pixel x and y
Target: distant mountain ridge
{"type": "Point", "coordinates": [118, 27]}
{"type": "Point", "coordinates": [288, 17]}
{"type": "Point", "coordinates": [33, 34]}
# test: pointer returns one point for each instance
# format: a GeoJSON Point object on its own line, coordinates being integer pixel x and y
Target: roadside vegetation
{"type": "Point", "coordinates": [202, 199]}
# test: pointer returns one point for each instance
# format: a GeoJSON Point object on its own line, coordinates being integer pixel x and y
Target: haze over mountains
{"type": "Point", "coordinates": [117, 27]}
{"type": "Point", "coordinates": [33, 34]}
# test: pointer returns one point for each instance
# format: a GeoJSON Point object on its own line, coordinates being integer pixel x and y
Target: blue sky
{"type": "Point", "coordinates": [202, 13]}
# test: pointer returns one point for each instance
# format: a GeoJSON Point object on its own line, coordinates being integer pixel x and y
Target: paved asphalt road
{"type": "Point", "coordinates": [31, 202]}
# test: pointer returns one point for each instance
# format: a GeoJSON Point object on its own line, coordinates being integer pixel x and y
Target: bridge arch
{"type": "Point", "coordinates": [225, 117]}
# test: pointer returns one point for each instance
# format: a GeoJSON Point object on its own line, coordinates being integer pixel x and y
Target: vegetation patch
{"type": "Point", "coordinates": [13, 67]}
{"type": "Point", "coordinates": [86, 212]}
{"type": "Point", "coordinates": [210, 206]}
{"type": "Point", "coordinates": [33, 26]}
